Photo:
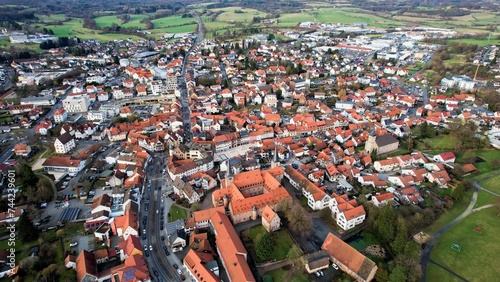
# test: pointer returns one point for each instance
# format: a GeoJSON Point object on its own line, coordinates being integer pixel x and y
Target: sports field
{"type": "Point", "coordinates": [479, 250]}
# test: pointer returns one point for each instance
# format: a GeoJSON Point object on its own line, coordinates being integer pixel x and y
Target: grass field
{"type": "Point", "coordinates": [484, 167]}
{"type": "Point", "coordinates": [479, 251]}
{"type": "Point", "coordinates": [30, 47]}
{"type": "Point", "coordinates": [282, 241]}
{"type": "Point", "coordinates": [282, 275]}
{"type": "Point", "coordinates": [172, 21]}
{"type": "Point", "coordinates": [485, 198]}
{"type": "Point", "coordinates": [245, 17]}
{"type": "Point", "coordinates": [177, 213]}
{"type": "Point", "coordinates": [492, 184]}
{"type": "Point", "coordinates": [51, 18]}
{"type": "Point", "coordinates": [440, 142]}
{"type": "Point", "coordinates": [290, 20]}
{"type": "Point", "coordinates": [436, 273]}
{"type": "Point", "coordinates": [107, 21]}
{"type": "Point", "coordinates": [449, 215]}
{"type": "Point", "coordinates": [350, 16]}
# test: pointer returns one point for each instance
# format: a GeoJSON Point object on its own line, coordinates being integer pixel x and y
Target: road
{"type": "Point", "coordinates": [186, 112]}
{"type": "Point", "coordinates": [425, 258]}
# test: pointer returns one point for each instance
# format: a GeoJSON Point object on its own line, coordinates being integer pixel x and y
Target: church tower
{"type": "Point", "coordinates": [371, 144]}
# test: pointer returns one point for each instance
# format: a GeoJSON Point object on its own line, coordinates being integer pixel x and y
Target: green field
{"type": "Point", "coordinates": [107, 21]}
{"type": "Point", "coordinates": [74, 28]}
{"type": "Point", "coordinates": [436, 273]}
{"type": "Point", "coordinates": [449, 215]}
{"type": "Point", "coordinates": [492, 184]}
{"type": "Point", "coordinates": [479, 42]}
{"type": "Point", "coordinates": [479, 251]}
{"type": "Point", "coordinates": [350, 16]}
{"type": "Point", "coordinates": [172, 21]}
{"type": "Point", "coordinates": [440, 142]}
{"type": "Point", "coordinates": [282, 275]}
{"type": "Point", "coordinates": [51, 18]}
{"type": "Point", "coordinates": [291, 20]}
{"type": "Point", "coordinates": [484, 167]}
{"type": "Point", "coordinates": [177, 213]}
{"type": "Point", "coordinates": [245, 17]}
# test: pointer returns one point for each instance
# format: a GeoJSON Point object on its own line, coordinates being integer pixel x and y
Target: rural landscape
{"type": "Point", "coordinates": [336, 140]}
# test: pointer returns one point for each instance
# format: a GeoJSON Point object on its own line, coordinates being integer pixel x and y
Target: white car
{"type": "Point", "coordinates": [179, 271]}
{"type": "Point", "coordinates": [73, 244]}
{"type": "Point", "coordinates": [151, 247]}
{"type": "Point", "coordinates": [335, 266]}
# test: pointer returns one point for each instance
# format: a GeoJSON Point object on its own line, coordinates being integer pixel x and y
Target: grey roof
{"type": "Point", "coordinates": [385, 140]}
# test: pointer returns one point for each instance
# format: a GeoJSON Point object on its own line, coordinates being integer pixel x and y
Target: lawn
{"type": "Point", "coordinates": [492, 184]}
{"type": "Point", "coordinates": [107, 21]}
{"type": "Point", "coordinates": [282, 275]}
{"type": "Point", "coordinates": [180, 29]}
{"type": "Point", "coordinates": [449, 215]}
{"type": "Point", "coordinates": [436, 273]}
{"type": "Point", "coordinates": [440, 142]}
{"type": "Point", "coordinates": [478, 258]}
{"type": "Point", "coordinates": [282, 241]}
{"type": "Point", "coordinates": [177, 213]}
{"type": "Point", "coordinates": [484, 198]}
{"type": "Point", "coordinates": [485, 168]}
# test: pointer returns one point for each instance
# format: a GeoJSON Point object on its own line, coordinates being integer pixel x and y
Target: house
{"type": "Point", "coordinates": [270, 220]}
{"type": "Point", "coordinates": [317, 261]}
{"type": "Point", "coordinates": [64, 143]}
{"type": "Point", "coordinates": [381, 144]}
{"type": "Point", "coordinates": [447, 157]}
{"type": "Point", "coordinates": [382, 199]}
{"type": "Point", "coordinates": [60, 115]}
{"type": "Point", "coordinates": [317, 199]}
{"type": "Point", "coordinates": [347, 213]}
{"type": "Point", "coordinates": [22, 150]}
{"type": "Point", "coordinates": [125, 225]}
{"type": "Point", "coordinates": [349, 259]}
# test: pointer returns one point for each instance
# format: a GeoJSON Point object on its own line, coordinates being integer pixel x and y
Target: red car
{"type": "Point", "coordinates": [182, 277]}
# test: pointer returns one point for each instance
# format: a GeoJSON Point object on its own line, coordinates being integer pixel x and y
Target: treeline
{"type": "Point", "coordinates": [15, 13]}
{"type": "Point", "coordinates": [61, 42]}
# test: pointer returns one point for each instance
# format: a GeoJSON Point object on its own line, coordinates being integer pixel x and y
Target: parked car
{"type": "Point", "coordinates": [182, 277]}
{"type": "Point", "coordinates": [175, 266]}
{"type": "Point", "coordinates": [151, 247]}
{"type": "Point", "coordinates": [335, 266]}
{"type": "Point", "coordinates": [73, 244]}
{"type": "Point", "coordinates": [179, 271]}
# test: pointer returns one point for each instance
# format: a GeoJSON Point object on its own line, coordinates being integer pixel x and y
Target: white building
{"type": "Point", "coordinates": [64, 143]}
{"type": "Point", "coordinates": [48, 100]}
{"type": "Point", "coordinates": [73, 104]}
{"type": "Point", "coordinates": [60, 115]}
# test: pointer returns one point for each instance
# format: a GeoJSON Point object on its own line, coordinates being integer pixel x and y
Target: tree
{"type": "Point", "coordinates": [398, 274]}
{"type": "Point", "coordinates": [264, 247]}
{"type": "Point", "coordinates": [27, 232]}
{"type": "Point", "coordinates": [384, 224]}
{"type": "Point", "coordinates": [399, 243]}
{"type": "Point", "coordinates": [294, 255]}
{"type": "Point", "coordinates": [195, 207]}
{"type": "Point", "coordinates": [459, 192]}
{"type": "Point", "coordinates": [299, 221]}
{"type": "Point", "coordinates": [382, 274]}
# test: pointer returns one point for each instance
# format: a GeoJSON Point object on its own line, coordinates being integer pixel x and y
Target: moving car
{"type": "Point", "coordinates": [73, 244]}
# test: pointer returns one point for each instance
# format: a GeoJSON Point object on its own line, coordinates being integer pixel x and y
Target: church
{"type": "Point", "coordinates": [381, 144]}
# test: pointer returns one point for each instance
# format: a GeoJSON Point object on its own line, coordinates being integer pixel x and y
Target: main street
{"type": "Point", "coordinates": [157, 186]}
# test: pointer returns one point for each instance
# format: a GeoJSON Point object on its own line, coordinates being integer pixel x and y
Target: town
{"type": "Point", "coordinates": [326, 157]}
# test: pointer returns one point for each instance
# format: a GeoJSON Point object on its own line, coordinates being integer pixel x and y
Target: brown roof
{"type": "Point", "coordinates": [85, 264]}
{"type": "Point", "coordinates": [231, 249]}
{"type": "Point", "coordinates": [61, 162]}
{"type": "Point", "coordinates": [103, 200]}
{"type": "Point", "coordinates": [65, 138]}
{"type": "Point", "coordinates": [349, 257]}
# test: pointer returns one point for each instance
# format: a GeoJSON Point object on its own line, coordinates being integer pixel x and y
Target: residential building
{"type": "Point", "coordinates": [349, 259]}
{"type": "Point", "coordinates": [64, 143]}
{"type": "Point", "coordinates": [60, 115]}
{"type": "Point", "coordinates": [270, 220]}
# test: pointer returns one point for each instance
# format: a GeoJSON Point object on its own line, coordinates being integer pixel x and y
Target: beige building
{"type": "Point", "coordinates": [270, 220]}
{"type": "Point", "coordinates": [76, 104]}
{"type": "Point", "coordinates": [381, 144]}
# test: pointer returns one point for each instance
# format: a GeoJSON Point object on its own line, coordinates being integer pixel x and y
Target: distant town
{"type": "Point", "coordinates": [319, 152]}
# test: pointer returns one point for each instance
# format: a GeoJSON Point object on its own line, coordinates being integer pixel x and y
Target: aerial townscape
{"type": "Point", "coordinates": [241, 141]}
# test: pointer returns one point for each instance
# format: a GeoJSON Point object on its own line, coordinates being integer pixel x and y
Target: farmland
{"type": "Point", "coordinates": [107, 21]}
{"type": "Point", "coordinates": [238, 14]}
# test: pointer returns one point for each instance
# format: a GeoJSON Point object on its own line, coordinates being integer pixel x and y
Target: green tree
{"type": "Point", "coordinates": [398, 274]}
{"type": "Point", "coordinates": [382, 274]}
{"type": "Point", "coordinates": [459, 192]}
{"type": "Point", "coordinates": [399, 243]}
{"type": "Point", "coordinates": [294, 255]}
{"type": "Point", "coordinates": [27, 232]}
{"type": "Point", "coordinates": [264, 247]}
{"type": "Point", "coordinates": [384, 224]}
